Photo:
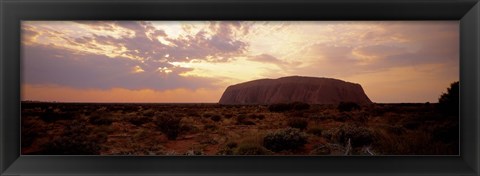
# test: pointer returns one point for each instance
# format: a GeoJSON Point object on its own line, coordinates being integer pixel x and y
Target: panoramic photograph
{"type": "Point", "coordinates": [231, 88]}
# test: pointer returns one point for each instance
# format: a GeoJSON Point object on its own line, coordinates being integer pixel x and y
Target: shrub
{"type": "Point", "coordinates": [31, 130]}
{"type": "Point", "coordinates": [74, 141]}
{"type": "Point", "coordinates": [100, 119]}
{"type": "Point", "coordinates": [300, 106]}
{"type": "Point", "coordinates": [279, 107]}
{"type": "Point", "coordinates": [228, 149]}
{"type": "Point", "coordinates": [283, 107]}
{"type": "Point", "coordinates": [446, 133]}
{"type": "Point", "coordinates": [216, 117]}
{"type": "Point", "coordinates": [255, 116]}
{"type": "Point", "coordinates": [317, 131]}
{"type": "Point", "coordinates": [207, 115]}
{"type": "Point", "coordinates": [188, 128]}
{"type": "Point", "coordinates": [299, 123]}
{"type": "Point", "coordinates": [210, 127]}
{"type": "Point", "coordinates": [232, 145]}
{"type": "Point", "coordinates": [320, 150]}
{"type": "Point", "coordinates": [285, 139]}
{"type": "Point", "coordinates": [228, 116]}
{"type": "Point", "coordinates": [169, 125]}
{"type": "Point", "coordinates": [449, 101]}
{"type": "Point", "coordinates": [194, 152]}
{"type": "Point", "coordinates": [242, 120]}
{"type": "Point", "coordinates": [411, 125]}
{"type": "Point", "coordinates": [139, 120]}
{"type": "Point", "coordinates": [348, 106]}
{"type": "Point", "coordinates": [225, 151]}
{"type": "Point", "coordinates": [149, 112]}
{"type": "Point", "coordinates": [251, 149]}
{"type": "Point", "coordinates": [52, 115]}
{"type": "Point", "coordinates": [360, 136]}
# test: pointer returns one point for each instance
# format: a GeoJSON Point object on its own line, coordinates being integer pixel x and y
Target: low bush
{"type": "Point", "coordinates": [225, 151]}
{"type": "Point", "coordinates": [139, 120]}
{"type": "Point", "coordinates": [242, 119]}
{"type": "Point", "coordinates": [98, 118]}
{"type": "Point", "coordinates": [52, 115]}
{"type": "Point", "coordinates": [256, 116]}
{"type": "Point", "coordinates": [320, 150]}
{"type": "Point", "coordinates": [216, 117]}
{"type": "Point", "coordinates": [279, 107]}
{"type": "Point", "coordinates": [348, 106]}
{"type": "Point", "coordinates": [251, 149]}
{"type": "Point", "coordinates": [360, 136]}
{"type": "Point", "coordinates": [210, 127]}
{"type": "Point", "coordinates": [149, 113]}
{"type": "Point", "coordinates": [169, 125]}
{"type": "Point", "coordinates": [317, 131]}
{"type": "Point", "coordinates": [75, 140]}
{"type": "Point", "coordinates": [232, 144]}
{"type": "Point", "coordinates": [285, 139]}
{"type": "Point", "coordinates": [299, 106]}
{"type": "Point", "coordinates": [411, 125]}
{"type": "Point", "coordinates": [299, 123]}
{"type": "Point", "coordinates": [228, 115]}
{"type": "Point", "coordinates": [283, 107]}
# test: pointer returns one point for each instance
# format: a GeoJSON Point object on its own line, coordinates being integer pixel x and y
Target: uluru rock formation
{"type": "Point", "coordinates": [310, 90]}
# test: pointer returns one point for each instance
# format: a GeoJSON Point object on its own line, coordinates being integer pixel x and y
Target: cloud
{"type": "Point", "coordinates": [29, 34]}
{"type": "Point", "coordinates": [266, 58]}
{"type": "Point", "coordinates": [219, 42]}
{"type": "Point", "coordinates": [49, 65]}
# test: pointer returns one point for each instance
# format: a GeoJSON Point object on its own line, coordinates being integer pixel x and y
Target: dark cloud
{"type": "Point", "coordinates": [47, 65]}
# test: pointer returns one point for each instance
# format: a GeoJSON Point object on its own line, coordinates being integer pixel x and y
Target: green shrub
{"type": "Point", "coordinates": [317, 131]}
{"type": "Point", "coordinates": [360, 136]}
{"type": "Point", "coordinates": [256, 116]}
{"type": "Point", "coordinates": [232, 145]}
{"type": "Point", "coordinates": [208, 115]}
{"type": "Point", "coordinates": [98, 118]}
{"type": "Point", "coordinates": [285, 139]}
{"type": "Point", "coordinates": [169, 125]}
{"type": "Point", "coordinates": [251, 149]}
{"type": "Point", "coordinates": [300, 106]}
{"type": "Point", "coordinates": [225, 151]}
{"type": "Point", "coordinates": [243, 120]}
{"type": "Point", "coordinates": [228, 115]}
{"type": "Point", "coordinates": [210, 127]}
{"type": "Point", "coordinates": [411, 125]}
{"type": "Point", "coordinates": [449, 101]}
{"type": "Point", "coordinates": [299, 123]}
{"type": "Point", "coordinates": [139, 120]}
{"type": "Point", "coordinates": [52, 115]}
{"type": "Point", "coordinates": [348, 106]}
{"type": "Point", "coordinates": [283, 107]}
{"type": "Point", "coordinates": [149, 113]}
{"type": "Point", "coordinates": [279, 107]}
{"type": "Point", "coordinates": [75, 140]}
{"type": "Point", "coordinates": [320, 150]}
{"type": "Point", "coordinates": [216, 117]}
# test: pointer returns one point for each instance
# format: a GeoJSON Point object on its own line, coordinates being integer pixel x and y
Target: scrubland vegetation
{"type": "Point", "coordinates": [213, 129]}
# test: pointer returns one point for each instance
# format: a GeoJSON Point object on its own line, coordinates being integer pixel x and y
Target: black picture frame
{"type": "Point", "coordinates": [14, 11]}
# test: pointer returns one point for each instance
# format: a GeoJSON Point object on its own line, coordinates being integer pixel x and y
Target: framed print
{"type": "Point", "coordinates": [239, 87]}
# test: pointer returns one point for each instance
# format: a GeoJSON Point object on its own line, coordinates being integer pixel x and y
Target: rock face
{"type": "Point", "coordinates": [310, 90]}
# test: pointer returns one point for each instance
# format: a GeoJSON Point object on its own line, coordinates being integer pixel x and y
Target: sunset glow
{"type": "Point", "coordinates": [194, 61]}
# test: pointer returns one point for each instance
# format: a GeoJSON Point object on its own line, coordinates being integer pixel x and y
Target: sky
{"type": "Point", "coordinates": [194, 61]}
